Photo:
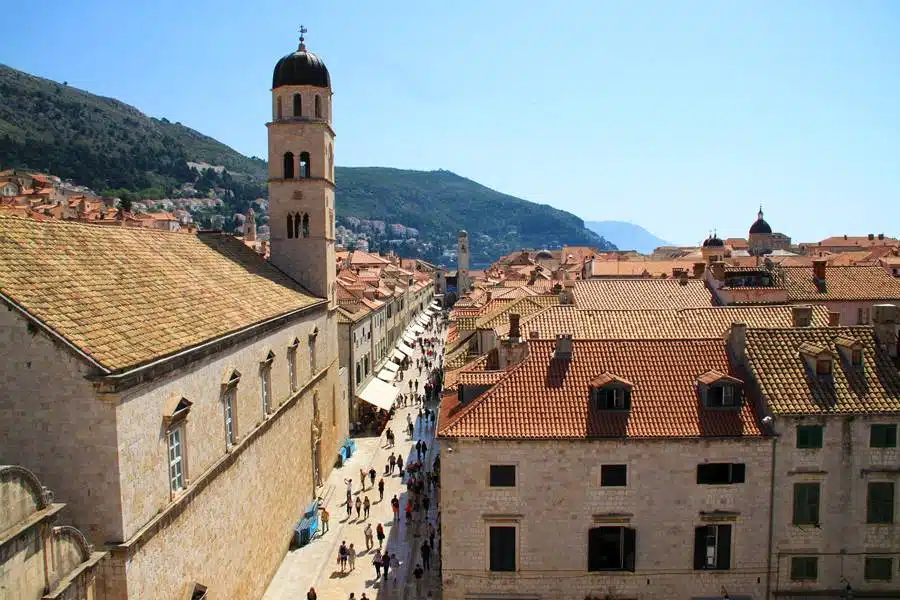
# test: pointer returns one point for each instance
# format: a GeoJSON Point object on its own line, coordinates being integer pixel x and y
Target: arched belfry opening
{"type": "Point", "coordinates": [305, 225]}
{"type": "Point", "coordinates": [278, 108]}
{"type": "Point", "coordinates": [318, 106]}
{"type": "Point", "coordinates": [298, 105]}
{"type": "Point", "coordinates": [290, 225]}
{"type": "Point", "coordinates": [288, 165]}
{"type": "Point", "coordinates": [297, 233]}
{"type": "Point", "coordinates": [304, 165]}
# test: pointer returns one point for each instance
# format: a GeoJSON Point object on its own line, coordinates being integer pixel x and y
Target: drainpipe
{"type": "Point", "coordinates": [771, 517]}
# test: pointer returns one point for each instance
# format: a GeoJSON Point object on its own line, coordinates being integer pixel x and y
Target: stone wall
{"type": "Point", "coordinates": [558, 498]}
{"type": "Point", "coordinates": [843, 467]}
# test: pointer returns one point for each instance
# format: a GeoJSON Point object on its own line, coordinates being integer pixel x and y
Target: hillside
{"type": "Point", "coordinates": [626, 236]}
{"type": "Point", "coordinates": [114, 148]}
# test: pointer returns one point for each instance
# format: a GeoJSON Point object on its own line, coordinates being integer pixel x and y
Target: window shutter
{"type": "Point", "coordinates": [699, 547]}
{"type": "Point", "coordinates": [629, 549]}
{"type": "Point", "coordinates": [594, 540]}
{"type": "Point", "coordinates": [723, 549]}
{"type": "Point", "coordinates": [627, 398]}
{"type": "Point", "coordinates": [738, 472]}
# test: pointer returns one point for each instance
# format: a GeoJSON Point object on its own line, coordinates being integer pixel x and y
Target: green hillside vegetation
{"type": "Point", "coordinates": [115, 149]}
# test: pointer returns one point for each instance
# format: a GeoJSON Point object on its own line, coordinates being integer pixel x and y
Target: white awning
{"type": "Point", "coordinates": [436, 304]}
{"type": "Point", "coordinates": [380, 394]}
{"type": "Point", "coordinates": [410, 338]}
{"type": "Point", "coordinates": [405, 349]}
{"type": "Point", "coordinates": [391, 366]}
{"type": "Point", "coordinates": [431, 311]}
{"type": "Point", "coordinates": [386, 375]}
{"type": "Point", "coordinates": [418, 329]}
{"type": "Point", "coordinates": [423, 321]}
{"type": "Point", "coordinates": [397, 354]}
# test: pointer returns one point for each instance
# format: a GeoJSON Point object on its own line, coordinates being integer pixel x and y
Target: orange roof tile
{"type": "Point", "coordinates": [845, 283]}
{"type": "Point", "coordinates": [545, 398]}
{"type": "Point", "coordinates": [637, 294]}
{"type": "Point", "coordinates": [790, 387]}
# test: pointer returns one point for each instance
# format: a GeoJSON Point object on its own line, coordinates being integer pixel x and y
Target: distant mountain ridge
{"type": "Point", "coordinates": [627, 236]}
{"type": "Point", "coordinates": [106, 144]}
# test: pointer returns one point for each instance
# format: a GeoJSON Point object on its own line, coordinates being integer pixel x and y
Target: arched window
{"type": "Point", "coordinates": [297, 225]}
{"type": "Point", "coordinates": [290, 225]}
{"type": "Point", "coordinates": [305, 225]}
{"type": "Point", "coordinates": [318, 106]}
{"type": "Point", "coordinates": [278, 108]}
{"type": "Point", "coordinates": [288, 165]}
{"type": "Point", "coordinates": [330, 161]}
{"type": "Point", "coordinates": [304, 165]}
{"type": "Point", "coordinates": [298, 105]}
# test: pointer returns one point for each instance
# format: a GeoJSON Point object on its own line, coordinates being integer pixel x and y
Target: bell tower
{"type": "Point", "coordinates": [462, 271]}
{"type": "Point", "coordinates": [301, 172]}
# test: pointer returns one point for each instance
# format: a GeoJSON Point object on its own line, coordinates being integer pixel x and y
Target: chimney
{"type": "Point", "coordinates": [567, 294]}
{"type": "Point", "coordinates": [801, 316]}
{"type": "Point", "coordinates": [563, 349]}
{"type": "Point", "coordinates": [699, 268]}
{"type": "Point", "coordinates": [880, 236]}
{"type": "Point", "coordinates": [683, 277]}
{"type": "Point", "coordinates": [819, 268]}
{"type": "Point", "coordinates": [718, 270]}
{"type": "Point", "coordinates": [488, 295]}
{"type": "Point", "coordinates": [834, 319]}
{"type": "Point", "coordinates": [886, 320]}
{"type": "Point", "coordinates": [871, 236]}
{"type": "Point", "coordinates": [534, 334]}
{"type": "Point", "coordinates": [737, 342]}
{"type": "Point", "coordinates": [515, 334]}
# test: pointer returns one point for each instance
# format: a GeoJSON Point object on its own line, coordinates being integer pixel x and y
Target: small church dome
{"type": "Point", "coordinates": [543, 255]}
{"type": "Point", "coordinates": [760, 225]}
{"type": "Point", "coordinates": [301, 68]}
{"type": "Point", "coordinates": [713, 241]}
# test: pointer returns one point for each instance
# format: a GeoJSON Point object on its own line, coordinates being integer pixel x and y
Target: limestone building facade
{"type": "Point", "coordinates": [41, 559]}
{"type": "Point", "coordinates": [186, 391]}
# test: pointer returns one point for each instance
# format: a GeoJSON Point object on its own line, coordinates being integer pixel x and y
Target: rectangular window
{"type": "Point", "coordinates": [712, 547]}
{"type": "Point", "coordinates": [878, 568]}
{"type": "Point", "coordinates": [503, 475]}
{"type": "Point", "coordinates": [880, 502]}
{"type": "Point", "coordinates": [265, 388]}
{"type": "Point", "coordinates": [809, 436]}
{"type": "Point", "coordinates": [804, 568]}
{"type": "Point", "coordinates": [292, 369]}
{"type": "Point", "coordinates": [823, 366]}
{"type": "Point", "coordinates": [312, 354]}
{"type": "Point", "coordinates": [230, 395]}
{"type": "Point", "coordinates": [611, 549]}
{"type": "Point", "coordinates": [721, 396]}
{"type": "Point", "coordinates": [176, 464]}
{"type": "Point", "coordinates": [883, 436]}
{"type": "Point", "coordinates": [613, 398]}
{"type": "Point", "coordinates": [613, 475]}
{"type": "Point", "coordinates": [806, 504]}
{"type": "Point", "coordinates": [502, 548]}
{"type": "Point", "coordinates": [720, 473]}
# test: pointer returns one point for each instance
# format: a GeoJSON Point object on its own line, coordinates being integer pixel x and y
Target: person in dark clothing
{"type": "Point", "coordinates": [426, 503]}
{"type": "Point", "coordinates": [372, 475]}
{"type": "Point", "coordinates": [386, 564]}
{"type": "Point", "coordinates": [425, 550]}
{"type": "Point", "coordinates": [311, 594]}
{"type": "Point", "coordinates": [380, 490]}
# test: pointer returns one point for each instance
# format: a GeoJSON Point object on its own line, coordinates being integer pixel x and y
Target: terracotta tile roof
{"type": "Point", "coordinates": [790, 387]}
{"type": "Point", "coordinates": [841, 284]}
{"type": "Point", "coordinates": [861, 241]}
{"type": "Point", "coordinates": [500, 316]}
{"type": "Point", "coordinates": [638, 268]}
{"type": "Point", "coordinates": [641, 294]}
{"type": "Point", "coordinates": [126, 296]}
{"type": "Point", "coordinates": [480, 378]}
{"type": "Point", "coordinates": [687, 323]}
{"type": "Point", "coordinates": [545, 398]}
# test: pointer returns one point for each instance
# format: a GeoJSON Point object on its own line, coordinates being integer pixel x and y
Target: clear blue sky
{"type": "Point", "coordinates": [677, 115]}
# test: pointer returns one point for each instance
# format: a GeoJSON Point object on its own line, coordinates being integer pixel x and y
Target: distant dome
{"type": "Point", "coordinates": [301, 68]}
{"type": "Point", "coordinates": [760, 225]}
{"type": "Point", "coordinates": [713, 241]}
{"type": "Point", "coordinates": [544, 254]}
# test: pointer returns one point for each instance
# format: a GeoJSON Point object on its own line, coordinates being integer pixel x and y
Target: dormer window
{"type": "Point", "coordinates": [823, 366]}
{"type": "Point", "coordinates": [856, 358]}
{"type": "Point", "coordinates": [610, 392]}
{"type": "Point", "coordinates": [719, 390]}
{"type": "Point", "coordinates": [851, 350]}
{"type": "Point", "coordinates": [818, 358]}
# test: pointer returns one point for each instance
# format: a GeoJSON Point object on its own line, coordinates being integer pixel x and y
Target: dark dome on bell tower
{"type": "Point", "coordinates": [301, 68]}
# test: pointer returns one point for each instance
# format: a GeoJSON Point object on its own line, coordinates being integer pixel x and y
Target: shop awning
{"type": "Point", "coordinates": [410, 338]}
{"type": "Point", "coordinates": [436, 304]}
{"type": "Point", "coordinates": [419, 330]}
{"type": "Point", "coordinates": [386, 375]}
{"type": "Point", "coordinates": [431, 311]}
{"type": "Point", "coordinates": [392, 366]}
{"type": "Point", "coordinates": [405, 349]}
{"type": "Point", "coordinates": [423, 321]}
{"type": "Point", "coordinates": [398, 355]}
{"type": "Point", "coordinates": [380, 394]}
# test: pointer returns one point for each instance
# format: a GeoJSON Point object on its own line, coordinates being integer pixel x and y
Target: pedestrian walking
{"type": "Point", "coordinates": [325, 517]}
{"type": "Point", "coordinates": [362, 479]}
{"type": "Point", "coordinates": [372, 475]}
{"type": "Point", "coordinates": [424, 550]}
{"type": "Point", "coordinates": [381, 489]}
{"type": "Point", "coordinates": [417, 573]}
{"type": "Point", "coordinates": [369, 540]}
{"type": "Point", "coordinates": [409, 430]}
{"type": "Point", "coordinates": [419, 449]}
{"type": "Point", "coordinates": [431, 532]}
{"type": "Point", "coordinates": [377, 563]}
{"type": "Point", "coordinates": [392, 461]}
{"type": "Point", "coordinates": [351, 556]}
{"type": "Point", "coordinates": [358, 507]}
{"type": "Point", "coordinates": [395, 506]}
{"type": "Point", "coordinates": [386, 564]}
{"type": "Point", "coordinates": [409, 509]}
{"type": "Point", "coordinates": [400, 466]}
{"type": "Point", "coordinates": [379, 533]}
{"type": "Point", "coordinates": [395, 562]}
{"type": "Point", "coordinates": [349, 483]}
{"type": "Point", "coordinates": [366, 506]}
{"type": "Point", "coordinates": [352, 596]}
{"type": "Point", "coordinates": [426, 502]}
{"type": "Point", "coordinates": [311, 594]}
{"type": "Point", "coordinates": [349, 508]}
{"type": "Point", "coordinates": [342, 556]}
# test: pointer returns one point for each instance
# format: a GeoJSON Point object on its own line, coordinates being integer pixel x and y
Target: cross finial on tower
{"type": "Point", "coordinates": [303, 31]}
{"type": "Point", "coordinates": [760, 214]}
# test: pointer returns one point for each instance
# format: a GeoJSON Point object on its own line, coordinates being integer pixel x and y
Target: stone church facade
{"type": "Point", "coordinates": [178, 390]}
